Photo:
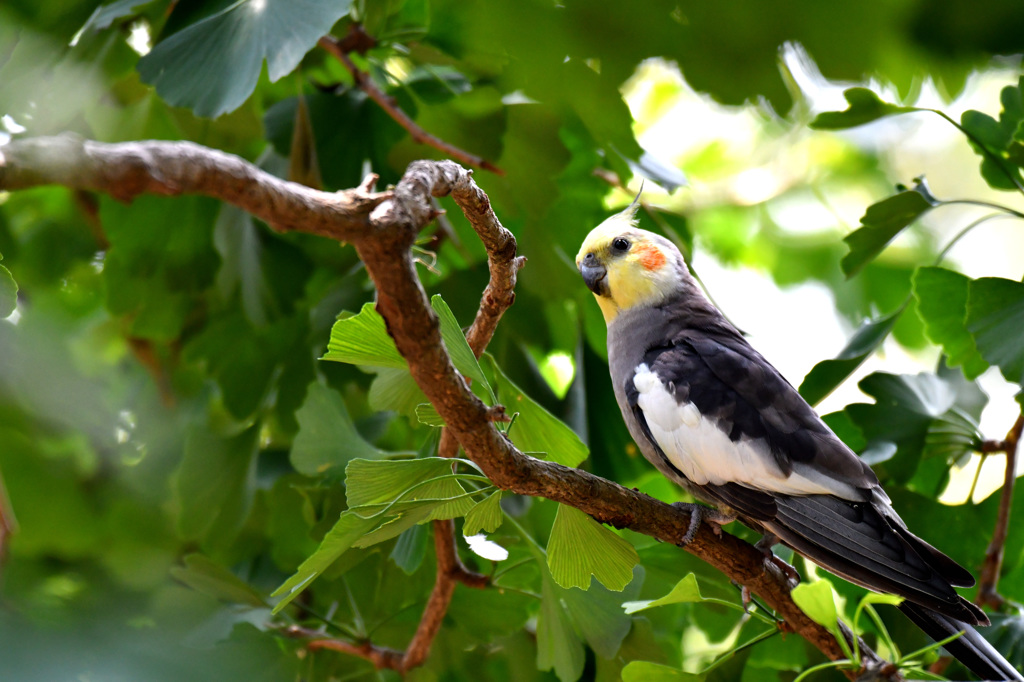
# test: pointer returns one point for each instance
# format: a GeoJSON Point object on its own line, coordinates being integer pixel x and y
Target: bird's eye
{"type": "Point", "coordinates": [620, 244]}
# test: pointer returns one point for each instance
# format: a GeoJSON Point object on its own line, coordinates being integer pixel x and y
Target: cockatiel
{"type": "Point", "coordinates": [710, 413]}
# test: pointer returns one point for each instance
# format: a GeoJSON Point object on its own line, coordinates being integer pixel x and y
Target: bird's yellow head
{"type": "Point", "coordinates": [627, 267]}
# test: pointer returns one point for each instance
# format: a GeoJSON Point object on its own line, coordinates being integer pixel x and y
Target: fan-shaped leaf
{"type": "Point", "coordinates": [580, 547]}
{"type": "Point", "coordinates": [228, 49]}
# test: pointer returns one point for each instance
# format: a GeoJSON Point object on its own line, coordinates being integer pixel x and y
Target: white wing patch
{"type": "Point", "coordinates": [704, 453]}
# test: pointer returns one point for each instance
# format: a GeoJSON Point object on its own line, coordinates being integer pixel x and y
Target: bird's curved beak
{"type": "Point", "coordinates": [595, 275]}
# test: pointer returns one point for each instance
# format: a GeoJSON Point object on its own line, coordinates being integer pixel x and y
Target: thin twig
{"type": "Point", "coordinates": [988, 593]}
{"type": "Point", "coordinates": [390, 106]}
{"type": "Point", "coordinates": [380, 657]}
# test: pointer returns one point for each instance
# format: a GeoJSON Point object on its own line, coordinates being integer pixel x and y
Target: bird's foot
{"type": "Point", "coordinates": [765, 544]}
{"type": "Point", "coordinates": [698, 513]}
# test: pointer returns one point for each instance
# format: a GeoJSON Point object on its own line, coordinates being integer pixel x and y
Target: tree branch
{"type": "Point", "coordinates": [988, 593]}
{"type": "Point", "coordinates": [383, 228]}
{"type": "Point", "coordinates": [126, 170]}
{"type": "Point", "coordinates": [352, 43]}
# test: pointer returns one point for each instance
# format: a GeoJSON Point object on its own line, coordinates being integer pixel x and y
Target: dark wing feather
{"type": "Point", "coordinates": [729, 381]}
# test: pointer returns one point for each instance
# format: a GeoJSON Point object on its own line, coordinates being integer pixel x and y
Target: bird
{"type": "Point", "coordinates": [714, 416]}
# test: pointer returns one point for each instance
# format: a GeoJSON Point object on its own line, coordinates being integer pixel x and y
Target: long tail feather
{"type": "Point", "coordinates": [971, 649]}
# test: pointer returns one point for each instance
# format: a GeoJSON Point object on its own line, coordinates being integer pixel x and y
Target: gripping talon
{"type": "Point", "coordinates": [698, 513]}
{"type": "Point", "coordinates": [765, 544]}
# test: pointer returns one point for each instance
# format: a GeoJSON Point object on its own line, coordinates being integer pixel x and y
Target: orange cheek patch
{"type": "Point", "coordinates": [650, 256]}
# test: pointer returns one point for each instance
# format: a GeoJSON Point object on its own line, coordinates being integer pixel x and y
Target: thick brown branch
{"type": "Point", "coordinates": [988, 583]}
{"type": "Point", "coordinates": [390, 106]}
{"type": "Point", "coordinates": [129, 169]}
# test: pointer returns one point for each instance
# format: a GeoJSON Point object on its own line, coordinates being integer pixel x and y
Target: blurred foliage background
{"type": "Point", "coordinates": [173, 448]}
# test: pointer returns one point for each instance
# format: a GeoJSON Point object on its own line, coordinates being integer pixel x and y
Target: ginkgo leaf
{"type": "Point", "coordinates": [685, 591]}
{"type": "Point", "coordinates": [536, 430]}
{"type": "Point", "coordinates": [327, 438]}
{"type": "Point", "coordinates": [486, 516]}
{"type": "Point", "coordinates": [427, 414]}
{"type": "Point", "coordinates": [229, 47]}
{"type": "Point", "coordinates": [349, 528]}
{"type": "Point", "coordinates": [204, 575]}
{"type": "Point", "coordinates": [370, 482]}
{"type": "Point", "coordinates": [580, 547]}
{"type": "Point", "coordinates": [455, 341]}
{"type": "Point", "coordinates": [646, 671]}
{"type": "Point", "coordinates": [558, 645]}
{"type": "Point", "coordinates": [817, 600]}
{"type": "Point", "coordinates": [363, 340]}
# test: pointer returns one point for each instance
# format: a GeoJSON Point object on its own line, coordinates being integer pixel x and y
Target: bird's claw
{"type": "Point", "coordinates": [698, 512]}
{"type": "Point", "coordinates": [765, 544]}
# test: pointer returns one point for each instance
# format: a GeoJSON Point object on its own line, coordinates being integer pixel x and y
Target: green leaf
{"type": "Point", "coordinates": [942, 305]}
{"type": "Point", "coordinates": [154, 277]}
{"type": "Point", "coordinates": [8, 293]}
{"type": "Point", "coordinates": [363, 340]}
{"type": "Point", "coordinates": [375, 482]}
{"type": "Point", "coordinates": [105, 15]}
{"type": "Point", "coordinates": [597, 613]}
{"type": "Point", "coordinates": [558, 646]}
{"type": "Point", "coordinates": [536, 430]}
{"type": "Point", "coordinates": [865, 107]}
{"type": "Point", "coordinates": [410, 516]}
{"type": "Point", "coordinates": [349, 528]}
{"type": "Point", "coordinates": [410, 549]}
{"type": "Point", "coordinates": [237, 240]}
{"type": "Point", "coordinates": [995, 317]}
{"type": "Point", "coordinates": [407, 487]}
{"type": "Point", "coordinates": [825, 376]}
{"type": "Point", "coordinates": [455, 341]}
{"type": "Point", "coordinates": [685, 591]}
{"type": "Point", "coordinates": [996, 141]}
{"type": "Point", "coordinates": [645, 671]}
{"type": "Point", "coordinates": [486, 516]}
{"type": "Point", "coordinates": [206, 576]}
{"type": "Point", "coordinates": [327, 438]}
{"type": "Point", "coordinates": [880, 225]}
{"type": "Point", "coordinates": [817, 600]}
{"type": "Point", "coordinates": [228, 49]}
{"type": "Point", "coordinates": [214, 484]}
{"type": "Point", "coordinates": [907, 407]}
{"type": "Point", "coordinates": [394, 390]}
{"type": "Point", "coordinates": [486, 615]}
{"type": "Point", "coordinates": [427, 414]}
{"type": "Point", "coordinates": [580, 547]}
